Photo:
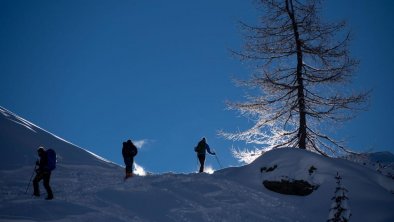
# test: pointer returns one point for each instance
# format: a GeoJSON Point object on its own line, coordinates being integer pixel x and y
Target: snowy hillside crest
{"type": "Point", "coordinates": [89, 188]}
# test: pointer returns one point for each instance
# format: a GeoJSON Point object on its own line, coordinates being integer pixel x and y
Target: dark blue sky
{"type": "Point", "coordinates": [99, 72]}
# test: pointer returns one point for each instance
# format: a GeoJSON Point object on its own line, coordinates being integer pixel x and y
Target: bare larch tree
{"type": "Point", "coordinates": [303, 71]}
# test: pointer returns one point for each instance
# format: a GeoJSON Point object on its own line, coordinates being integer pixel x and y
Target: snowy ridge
{"type": "Point", "coordinates": [381, 162]}
{"type": "Point", "coordinates": [24, 137]}
{"type": "Point", "coordinates": [89, 189]}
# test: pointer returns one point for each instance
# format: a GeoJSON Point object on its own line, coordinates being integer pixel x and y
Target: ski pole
{"type": "Point", "coordinates": [28, 185]}
{"type": "Point", "coordinates": [217, 159]}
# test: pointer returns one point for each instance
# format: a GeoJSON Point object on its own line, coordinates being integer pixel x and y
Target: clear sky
{"type": "Point", "coordinates": [99, 72]}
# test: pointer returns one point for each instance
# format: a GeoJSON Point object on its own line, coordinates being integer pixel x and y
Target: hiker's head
{"type": "Point", "coordinates": [129, 142]}
{"type": "Point", "coordinates": [40, 150]}
{"type": "Point", "coordinates": [204, 140]}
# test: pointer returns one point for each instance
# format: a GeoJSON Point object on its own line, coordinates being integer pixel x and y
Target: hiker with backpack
{"type": "Point", "coordinates": [46, 164]}
{"type": "Point", "coordinates": [201, 149]}
{"type": "Point", "coordinates": [129, 151]}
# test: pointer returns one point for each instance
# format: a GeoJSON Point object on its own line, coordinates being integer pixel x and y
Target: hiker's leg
{"type": "Point", "coordinates": [128, 170]}
{"type": "Point", "coordinates": [36, 187]}
{"type": "Point", "coordinates": [47, 178]}
{"type": "Point", "coordinates": [201, 158]}
{"type": "Point", "coordinates": [129, 167]}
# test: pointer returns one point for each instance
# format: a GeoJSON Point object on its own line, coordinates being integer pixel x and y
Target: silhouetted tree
{"type": "Point", "coordinates": [302, 73]}
{"type": "Point", "coordinates": [339, 211]}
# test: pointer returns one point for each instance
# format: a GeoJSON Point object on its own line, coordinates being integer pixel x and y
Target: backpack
{"type": "Point", "coordinates": [133, 150]}
{"type": "Point", "coordinates": [51, 155]}
{"type": "Point", "coordinates": [200, 148]}
{"type": "Point", "coordinates": [129, 150]}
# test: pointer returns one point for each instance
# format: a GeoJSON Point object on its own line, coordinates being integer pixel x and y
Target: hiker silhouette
{"type": "Point", "coordinates": [129, 151]}
{"type": "Point", "coordinates": [201, 149]}
{"type": "Point", "coordinates": [43, 173]}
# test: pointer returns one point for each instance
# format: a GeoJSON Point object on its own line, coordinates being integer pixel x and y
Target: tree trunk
{"type": "Point", "coordinates": [300, 87]}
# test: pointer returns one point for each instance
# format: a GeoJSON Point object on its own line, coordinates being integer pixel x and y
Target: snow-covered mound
{"type": "Point", "coordinates": [87, 188]}
{"type": "Point", "coordinates": [371, 194]}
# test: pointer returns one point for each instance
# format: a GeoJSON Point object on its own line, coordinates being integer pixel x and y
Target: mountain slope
{"type": "Point", "coordinates": [21, 138]}
{"type": "Point", "coordinates": [88, 188]}
{"type": "Point", "coordinates": [382, 162]}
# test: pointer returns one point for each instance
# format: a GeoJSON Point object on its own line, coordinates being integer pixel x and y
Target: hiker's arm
{"type": "Point", "coordinates": [209, 150]}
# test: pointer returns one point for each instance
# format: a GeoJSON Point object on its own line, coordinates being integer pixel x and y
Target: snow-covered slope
{"type": "Point", "coordinates": [21, 138]}
{"type": "Point", "coordinates": [87, 188]}
{"type": "Point", "coordinates": [77, 170]}
{"type": "Point", "coordinates": [371, 194]}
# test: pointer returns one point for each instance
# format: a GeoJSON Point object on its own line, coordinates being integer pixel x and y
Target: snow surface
{"type": "Point", "coordinates": [90, 188]}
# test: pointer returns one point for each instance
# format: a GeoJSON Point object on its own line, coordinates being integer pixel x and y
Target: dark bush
{"type": "Point", "coordinates": [312, 169]}
{"type": "Point", "coordinates": [269, 169]}
{"type": "Point", "coordinates": [290, 187]}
